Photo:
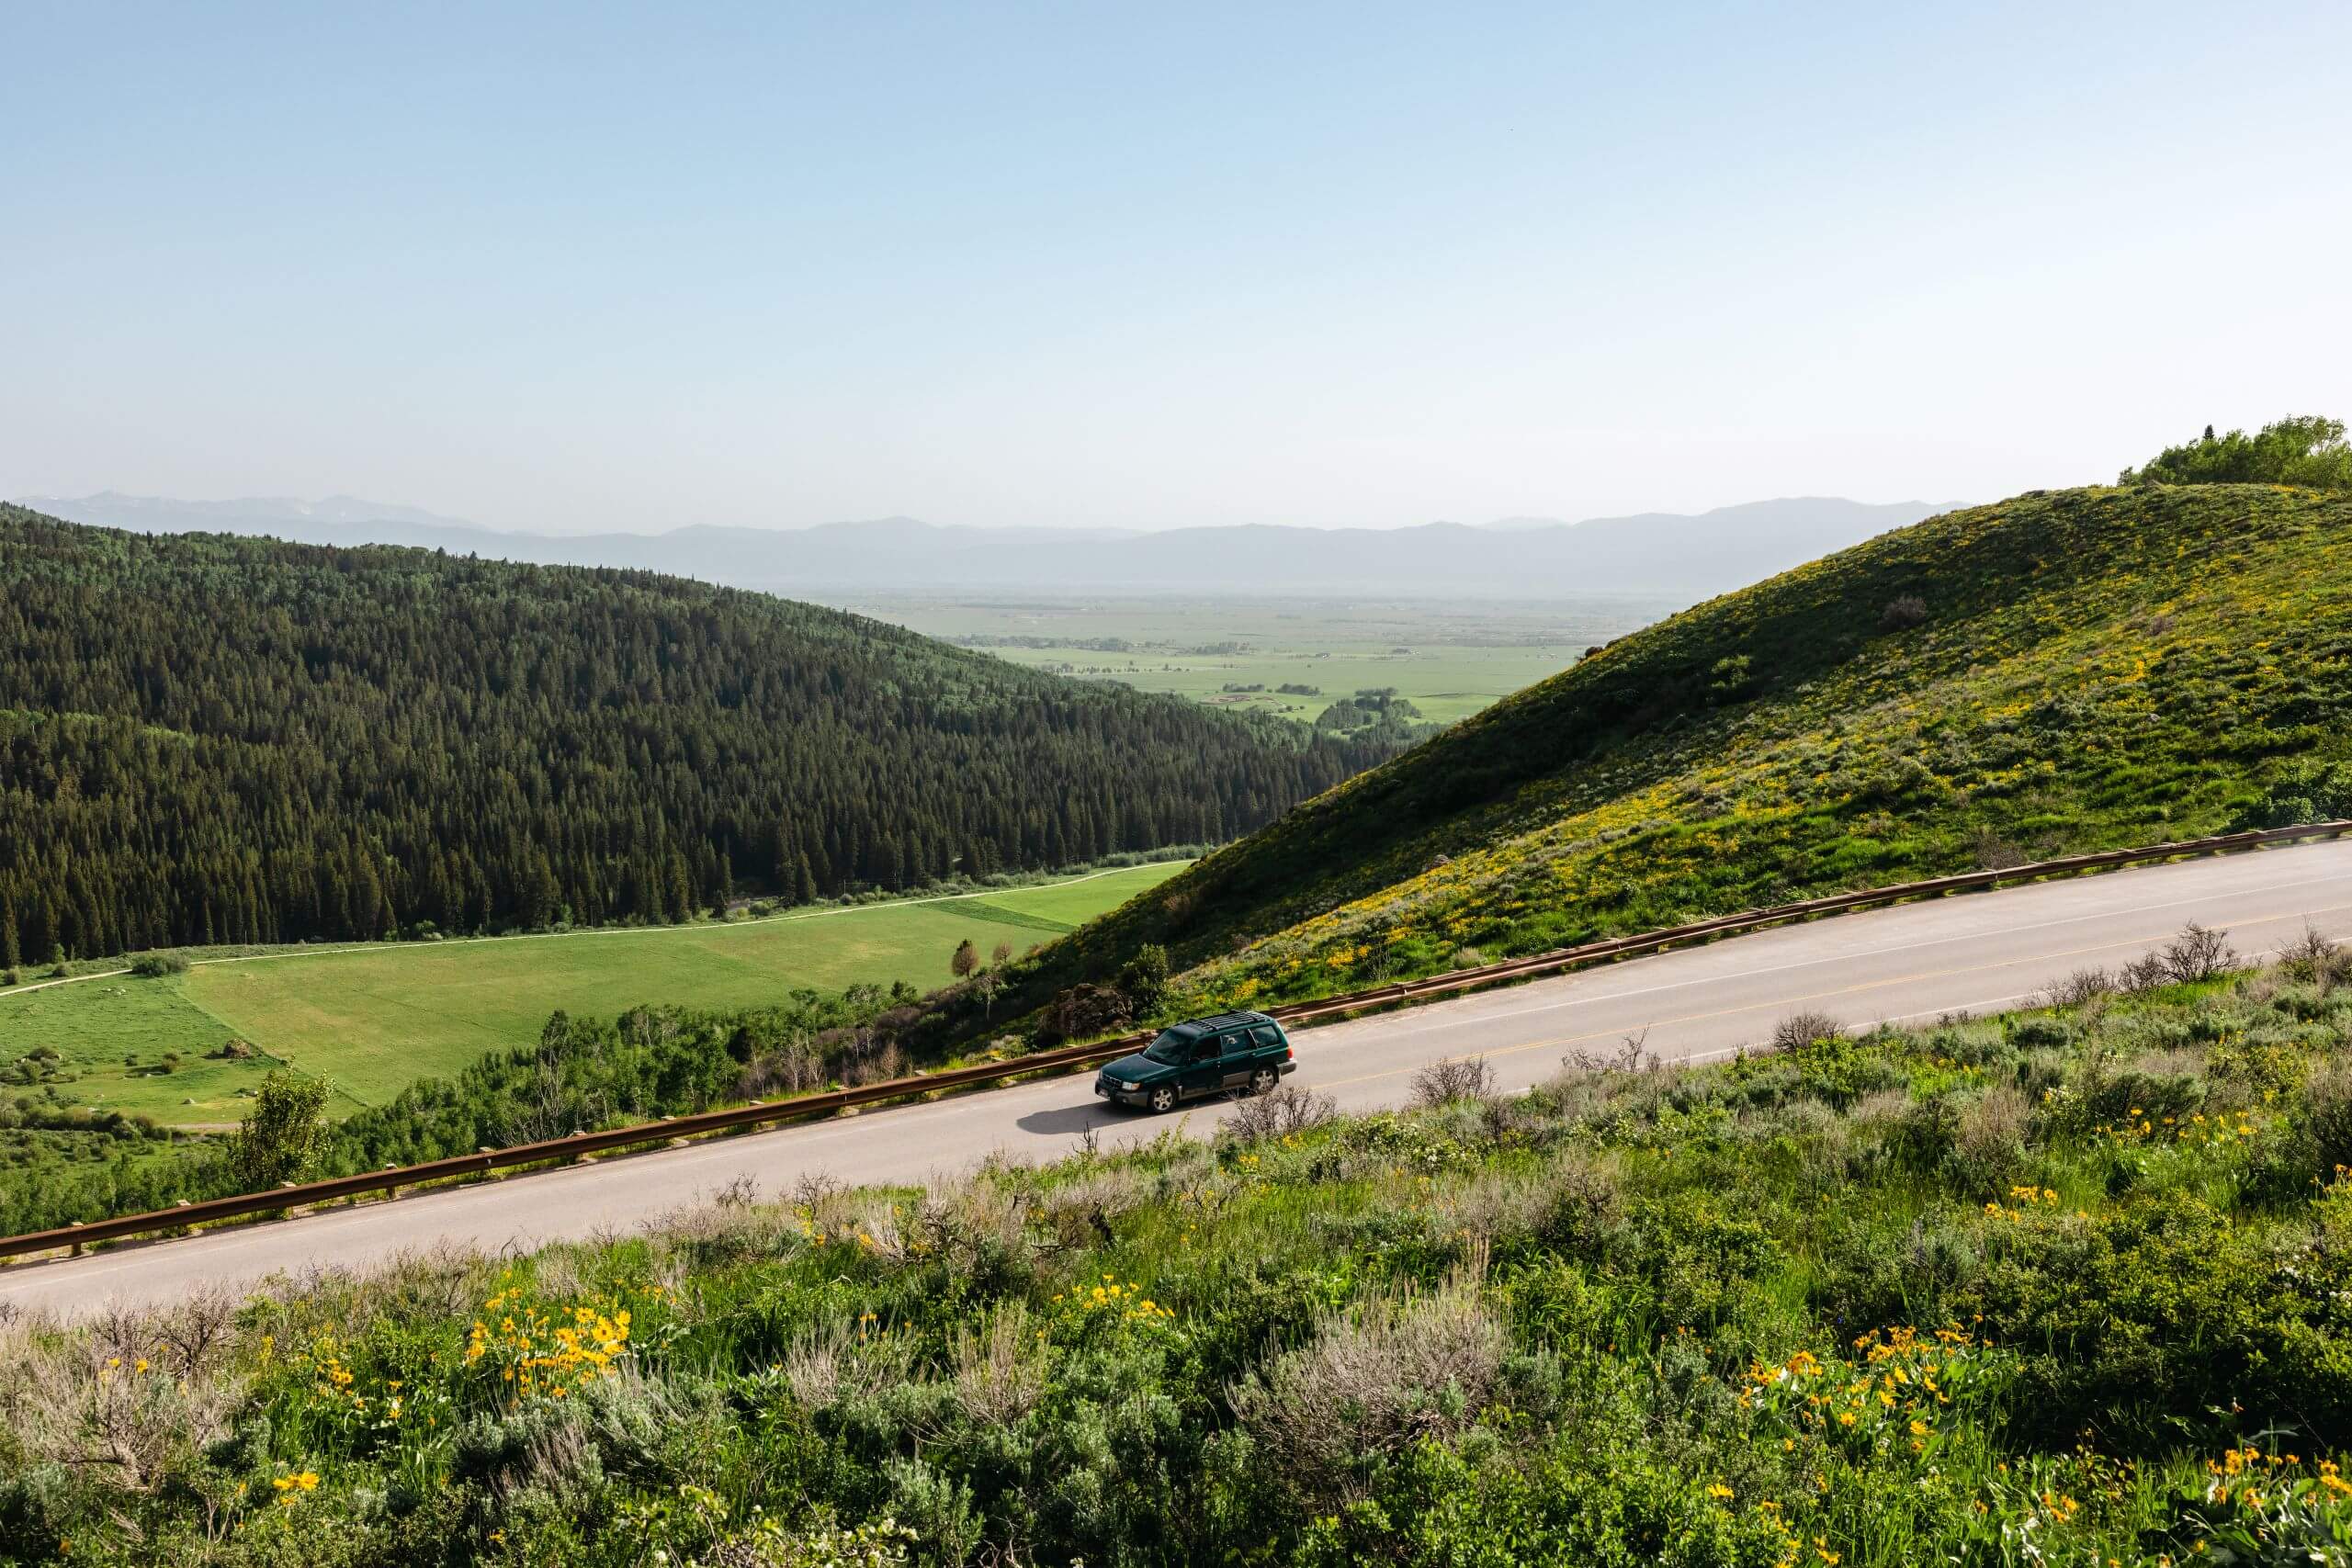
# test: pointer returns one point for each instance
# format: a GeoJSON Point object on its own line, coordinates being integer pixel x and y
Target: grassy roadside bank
{"type": "Point", "coordinates": [2062, 1285]}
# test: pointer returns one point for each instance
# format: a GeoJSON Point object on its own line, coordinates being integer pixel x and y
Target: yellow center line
{"type": "Point", "coordinates": [1558, 1040]}
{"type": "Point", "coordinates": [1641, 963]}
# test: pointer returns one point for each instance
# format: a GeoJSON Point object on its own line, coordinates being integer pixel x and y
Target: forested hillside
{"type": "Point", "coordinates": [2064, 670]}
{"type": "Point", "coordinates": [213, 739]}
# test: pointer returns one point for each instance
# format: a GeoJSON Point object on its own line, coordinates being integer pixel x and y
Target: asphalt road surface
{"type": "Point", "coordinates": [1966, 953]}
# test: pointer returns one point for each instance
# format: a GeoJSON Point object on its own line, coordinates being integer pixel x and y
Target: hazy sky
{"type": "Point", "coordinates": [638, 265]}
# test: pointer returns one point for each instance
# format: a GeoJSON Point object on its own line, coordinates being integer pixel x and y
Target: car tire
{"type": "Point", "coordinates": [1164, 1099]}
{"type": "Point", "coordinates": [1263, 1080]}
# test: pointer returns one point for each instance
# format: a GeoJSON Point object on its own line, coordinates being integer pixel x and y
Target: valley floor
{"type": "Point", "coordinates": [1450, 658]}
{"type": "Point", "coordinates": [370, 1020]}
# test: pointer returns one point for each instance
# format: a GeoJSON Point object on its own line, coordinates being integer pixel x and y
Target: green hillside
{"type": "Point", "coordinates": [2064, 670]}
{"type": "Point", "coordinates": [208, 740]}
{"type": "Point", "coordinates": [2067, 1287]}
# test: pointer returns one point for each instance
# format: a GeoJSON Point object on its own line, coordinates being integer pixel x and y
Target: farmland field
{"type": "Point", "coordinates": [1450, 659]}
{"type": "Point", "coordinates": [371, 1020]}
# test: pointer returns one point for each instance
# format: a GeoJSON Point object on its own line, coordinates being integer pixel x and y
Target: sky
{"type": "Point", "coordinates": [630, 266]}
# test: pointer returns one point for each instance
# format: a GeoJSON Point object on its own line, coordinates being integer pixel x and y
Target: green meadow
{"type": "Point", "coordinates": [371, 1020]}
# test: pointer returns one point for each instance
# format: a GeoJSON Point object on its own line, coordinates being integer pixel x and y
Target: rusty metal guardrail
{"type": "Point", "coordinates": [923, 1084]}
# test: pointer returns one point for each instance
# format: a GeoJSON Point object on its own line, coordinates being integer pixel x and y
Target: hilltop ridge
{"type": "Point", "coordinates": [2063, 671]}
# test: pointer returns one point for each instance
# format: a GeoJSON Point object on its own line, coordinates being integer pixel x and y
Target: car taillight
{"type": "Point", "coordinates": [1288, 1053]}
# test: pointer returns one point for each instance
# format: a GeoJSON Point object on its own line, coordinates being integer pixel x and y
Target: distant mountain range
{"type": "Point", "coordinates": [249, 515]}
{"type": "Point", "coordinates": [1664, 554]}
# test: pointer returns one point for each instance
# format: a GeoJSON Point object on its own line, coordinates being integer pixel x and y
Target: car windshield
{"type": "Point", "coordinates": [1173, 1047]}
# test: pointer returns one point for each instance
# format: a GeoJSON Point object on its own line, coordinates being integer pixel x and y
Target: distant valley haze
{"type": "Point", "coordinates": [1674, 555]}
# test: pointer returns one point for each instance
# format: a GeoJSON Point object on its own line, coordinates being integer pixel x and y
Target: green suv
{"type": "Point", "coordinates": [1204, 1055]}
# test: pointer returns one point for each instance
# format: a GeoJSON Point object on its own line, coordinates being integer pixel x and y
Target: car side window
{"type": "Point", "coordinates": [1237, 1042]}
{"type": "Point", "coordinates": [1266, 1035]}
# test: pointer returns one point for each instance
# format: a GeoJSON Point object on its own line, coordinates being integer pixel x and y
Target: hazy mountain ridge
{"type": "Point", "coordinates": [1696, 555]}
{"type": "Point", "coordinates": [159, 513]}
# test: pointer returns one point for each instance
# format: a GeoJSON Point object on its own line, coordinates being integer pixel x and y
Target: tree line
{"type": "Point", "coordinates": [2308, 450]}
{"type": "Point", "coordinates": [207, 739]}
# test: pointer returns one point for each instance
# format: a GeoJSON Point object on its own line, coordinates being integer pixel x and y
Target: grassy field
{"type": "Point", "coordinates": [370, 1020]}
{"type": "Point", "coordinates": [1450, 659]}
{"type": "Point", "coordinates": [112, 1036]}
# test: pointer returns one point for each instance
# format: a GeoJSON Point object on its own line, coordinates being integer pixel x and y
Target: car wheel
{"type": "Point", "coordinates": [1263, 1080]}
{"type": "Point", "coordinates": [1164, 1099]}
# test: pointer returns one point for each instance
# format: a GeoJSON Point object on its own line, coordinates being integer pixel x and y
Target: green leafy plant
{"type": "Point", "coordinates": [280, 1138]}
{"type": "Point", "coordinates": [2308, 451]}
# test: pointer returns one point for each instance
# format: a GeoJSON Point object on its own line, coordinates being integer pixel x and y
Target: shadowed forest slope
{"type": "Point", "coordinates": [210, 739]}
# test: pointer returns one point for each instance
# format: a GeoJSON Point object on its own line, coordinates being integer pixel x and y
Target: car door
{"type": "Point", "coordinates": [1206, 1073]}
{"type": "Point", "coordinates": [1240, 1057]}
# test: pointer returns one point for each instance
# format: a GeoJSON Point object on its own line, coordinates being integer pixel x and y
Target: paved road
{"type": "Point", "coordinates": [1971, 952]}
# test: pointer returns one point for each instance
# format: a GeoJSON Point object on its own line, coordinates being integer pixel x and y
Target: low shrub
{"type": "Point", "coordinates": [1901, 612]}
{"type": "Point", "coordinates": [2197, 954]}
{"type": "Point", "coordinates": [2326, 1118]}
{"type": "Point", "coordinates": [1284, 1112]}
{"type": "Point", "coordinates": [1988, 1140]}
{"type": "Point", "coordinates": [1373, 1383]}
{"type": "Point", "coordinates": [1449, 1082]}
{"type": "Point", "coordinates": [1800, 1030]}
